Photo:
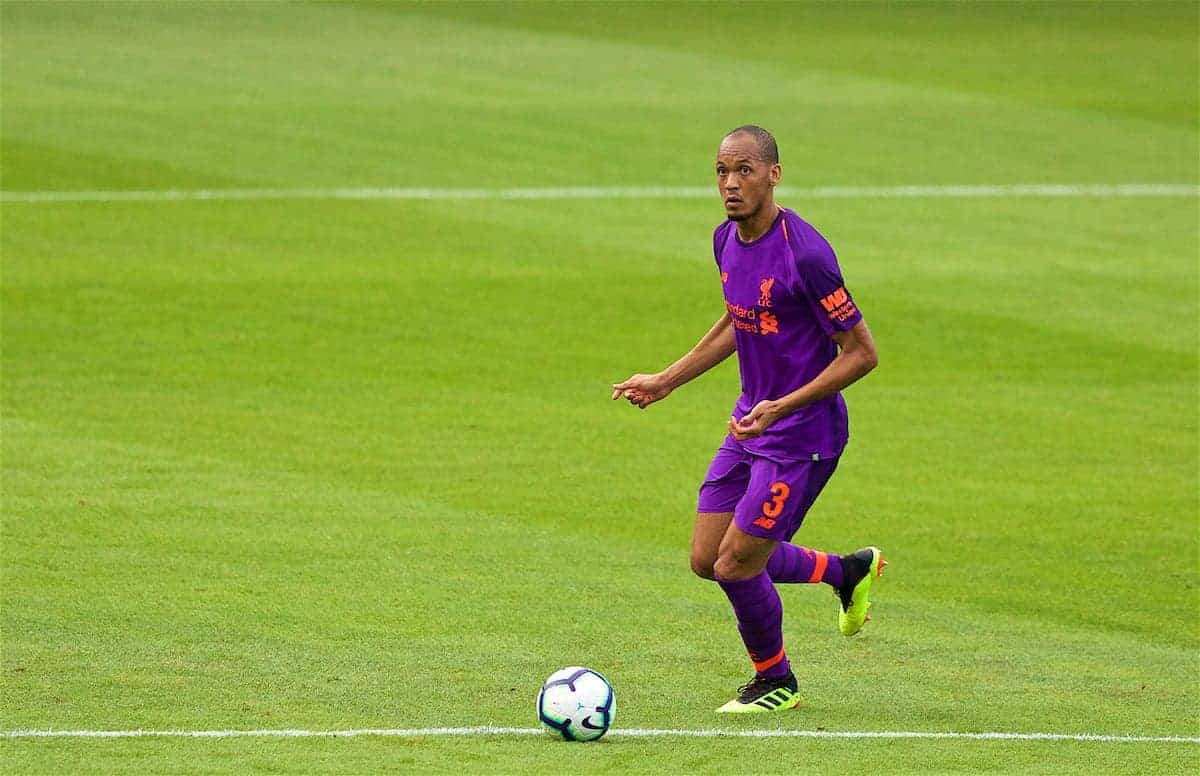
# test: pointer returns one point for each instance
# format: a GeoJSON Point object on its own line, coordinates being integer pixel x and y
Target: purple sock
{"type": "Point", "coordinates": [760, 621]}
{"type": "Point", "coordinates": [793, 563]}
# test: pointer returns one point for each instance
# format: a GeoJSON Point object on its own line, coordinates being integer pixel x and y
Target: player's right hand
{"type": "Point", "coordinates": [641, 390]}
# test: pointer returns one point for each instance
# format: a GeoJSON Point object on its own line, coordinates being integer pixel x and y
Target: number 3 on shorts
{"type": "Point", "coordinates": [779, 492]}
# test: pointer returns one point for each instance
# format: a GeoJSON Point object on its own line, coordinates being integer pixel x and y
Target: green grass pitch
{"type": "Point", "coordinates": [325, 464]}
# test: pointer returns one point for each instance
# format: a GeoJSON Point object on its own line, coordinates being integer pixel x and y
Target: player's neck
{"type": "Point", "coordinates": [757, 225]}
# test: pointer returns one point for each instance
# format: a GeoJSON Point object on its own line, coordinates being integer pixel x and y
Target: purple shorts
{"type": "Point", "coordinates": [768, 499]}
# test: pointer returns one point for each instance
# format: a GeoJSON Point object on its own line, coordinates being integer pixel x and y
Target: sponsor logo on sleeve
{"type": "Point", "coordinates": [838, 305]}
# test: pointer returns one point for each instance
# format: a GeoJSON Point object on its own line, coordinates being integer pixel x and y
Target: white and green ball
{"type": "Point", "coordinates": [577, 703]}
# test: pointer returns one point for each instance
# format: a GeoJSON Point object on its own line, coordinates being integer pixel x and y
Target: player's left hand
{"type": "Point", "coordinates": [755, 422]}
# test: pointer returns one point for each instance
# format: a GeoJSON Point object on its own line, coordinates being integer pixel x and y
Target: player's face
{"type": "Point", "coordinates": [744, 179]}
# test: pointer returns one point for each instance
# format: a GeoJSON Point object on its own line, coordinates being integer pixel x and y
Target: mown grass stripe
{"type": "Point", "coordinates": [614, 192]}
{"type": "Point", "coordinates": [488, 730]}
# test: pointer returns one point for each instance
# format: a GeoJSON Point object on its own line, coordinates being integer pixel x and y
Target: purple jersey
{"type": "Point", "coordinates": [786, 298]}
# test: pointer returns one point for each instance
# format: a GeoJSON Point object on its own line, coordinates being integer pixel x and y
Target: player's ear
{"type": "Point", "coordinates": [776, 174]}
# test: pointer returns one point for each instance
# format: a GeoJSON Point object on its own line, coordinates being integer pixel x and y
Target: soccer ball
{"type": "Point", "coordinates": [577, 704]}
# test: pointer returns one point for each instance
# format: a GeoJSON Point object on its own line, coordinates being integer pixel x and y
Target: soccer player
{"type": "Point", "coordinates": [800, 340]}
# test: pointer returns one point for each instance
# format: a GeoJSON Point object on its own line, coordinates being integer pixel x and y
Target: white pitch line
{"type": "Point", "coordinates": [487, 730]}
{"type": "Point", "coordinates": [614, 192]}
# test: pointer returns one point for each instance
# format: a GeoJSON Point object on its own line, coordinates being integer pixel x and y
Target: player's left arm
{"type": "Point", "coordinates": [856, 357]}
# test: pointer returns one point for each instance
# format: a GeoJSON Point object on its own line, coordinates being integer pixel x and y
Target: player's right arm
{"type": "Point", "coordinates": [713, 348]}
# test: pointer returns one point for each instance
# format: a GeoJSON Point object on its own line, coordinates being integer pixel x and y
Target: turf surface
{"type": "Point", "coordinates": [327, 465]}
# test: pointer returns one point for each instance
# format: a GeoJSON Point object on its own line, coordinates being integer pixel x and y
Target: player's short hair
{"type": "Point", "coordinates": [764, 139]}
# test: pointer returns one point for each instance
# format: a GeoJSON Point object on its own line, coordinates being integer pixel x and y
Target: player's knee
{"type": "Point", "coordinates": [732, 565]}
{"type": "Point", "coordinates": [702, 565]}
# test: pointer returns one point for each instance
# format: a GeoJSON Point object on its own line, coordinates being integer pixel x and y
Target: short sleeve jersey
{"type": "Point", "coordinates": [786, 298]}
